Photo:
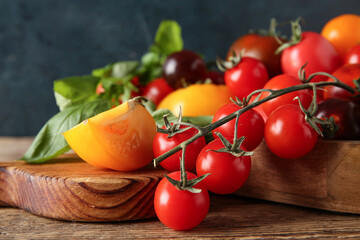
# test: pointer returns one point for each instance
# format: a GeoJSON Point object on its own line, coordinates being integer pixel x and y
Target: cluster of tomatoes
{"type": "Point", "coordinates": [280, 121]}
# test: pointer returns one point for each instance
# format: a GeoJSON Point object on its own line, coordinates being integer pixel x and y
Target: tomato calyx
{"type": "Point", "coordinates": [328, 125]}
{"type": "Point", "coordinates": [234, 148]}
{"type": "Point", "coordinates": [172, 128]}
{"type": "Point", "coordinates": [224, 65]}
{"type": "Point", "coordinates": [296, 36]}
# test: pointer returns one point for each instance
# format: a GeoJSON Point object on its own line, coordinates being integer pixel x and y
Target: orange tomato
{"type": "Point", "coordinates": [343, 32]}
{"type": "Point", "coordinates": [197, 99]}
{"type": "Point", "coordinates": [119, 139]}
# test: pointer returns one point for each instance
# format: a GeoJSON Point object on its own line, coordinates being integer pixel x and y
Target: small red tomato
{"type": "Point", "coordinates": [228, 172]}
{"type": "Point", "coordinates": [314, 50]}
{"type": "Point", "coordinates": [247, 76]}
{"type": "Point", "coordinates": [250, 125]}
{"type": "Point", "coordinates": [279, 82]}
{"type": "Point", "coordinates": [287, 134]}
{"type": "Point", "coordinates": [353, 55]}
{"type": "Point", "coordinates": [346, 74]}
{"type": "Point", "coordinates": [162, 143]}
{"type": "Point", "coordinates": [156, 90]}
{"type": "Point", "coordinates": [260, 47]}
{"type": "Point", "coordinates": [180, 209]}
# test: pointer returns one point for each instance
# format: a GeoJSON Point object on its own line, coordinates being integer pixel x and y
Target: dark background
{"type": "Point", "coordinates": [44, 40]}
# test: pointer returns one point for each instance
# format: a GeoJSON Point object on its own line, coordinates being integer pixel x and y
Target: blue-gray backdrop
{"type": "Point", "coordinates": [43, 40]}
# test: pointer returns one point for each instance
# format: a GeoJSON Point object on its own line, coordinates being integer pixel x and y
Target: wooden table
{"type": "Point", "coordinates": [229, 217]}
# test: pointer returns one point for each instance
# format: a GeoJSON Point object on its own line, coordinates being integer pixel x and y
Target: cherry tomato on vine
{"type": "Point", "coordinates": [261, 47]}
{"type": "Point", "coordinates": [250, 125]}
{"type": "Point", "coordinates": [343, 32]}
{"type": "Point", "coordinates": [228, 172]}
{"type": "Point", "coordinates": [279, 82]}
{"type": "Point", "coordinates": [162, 143]}
{"type": "Point", "coordinates": [183, 67]}
{"type": "Point", "coordinates": [353, 55]}
{"type": "Point", "coordinates": [346, 74]}
{"type": "Point", "coordinates": [287, 134]}
{"type": "Point", "coordinates": [324, 59]}
{"type": "Point", "coordinates": [346, 115]}
{"type": "Point", "coordinates": [156, 90]}
{"type": "Point", "coordinates": [180, 209]}
{"type": "Point", "coordinates": [247, 76]}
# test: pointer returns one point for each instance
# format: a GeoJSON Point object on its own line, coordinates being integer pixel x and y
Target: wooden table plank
{"type": "Point", "coordinates": [230, 217]}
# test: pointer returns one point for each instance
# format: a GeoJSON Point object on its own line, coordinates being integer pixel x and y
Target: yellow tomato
{"type": "Point", "coordinates": [343, 32]}
{"type": "Point", "coordinates": [119, 139]}
{"type": "Point", "coordinates": [197, 99]}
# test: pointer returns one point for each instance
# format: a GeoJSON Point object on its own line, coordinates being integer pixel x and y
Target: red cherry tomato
{"type": "Point", "coordinates": [279, 82]}
{"type": "Point", "coordinates": [162, 144]}
{"type": "Point", "coordinates": [250, 125]}
{"type": "Point", "coordinates": [353, 55]}
{"type": "Point", "coordinates": [346, 115]}
{"type": "Point", "coordinates": [156, 90]}
{"type": "Point", "coordinates": [247, 76]}
{"type": "Point", "coordinates": [260, 47]}
{"type": "Point", "coordinates": [346, 74]}
{"type": "Point", "coordinates": [180, 209]}
{"type": "Point", "coordinates": [314, 50]}
{"type": "Point", "coordinates": [228, 172]}
{"type": "Point", "coordinates": [287, 134]}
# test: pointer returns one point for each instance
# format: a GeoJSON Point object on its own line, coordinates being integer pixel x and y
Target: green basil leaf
{"type": "Point", "coordinates": [103, 72]}
{"type": "Point", "coordinates": [122, 69]}
{"type": "Point", "coordinates": [168, 37]}
{"type": "Point", "coordinates": [199, 120]}
{"type": "Point", "coordinates": [72, 91]}
{"type": "Point", "coordinates": [49, 142]}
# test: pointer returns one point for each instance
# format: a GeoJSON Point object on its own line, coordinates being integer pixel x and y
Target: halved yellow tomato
{"type": "Point", "coordinates": [197, 99]}
{"type": "Point", "coordinates": [119, 139]}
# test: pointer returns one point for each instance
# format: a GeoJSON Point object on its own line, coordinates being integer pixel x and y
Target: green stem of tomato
{"type": "Point", "coordinates": [273, 94]}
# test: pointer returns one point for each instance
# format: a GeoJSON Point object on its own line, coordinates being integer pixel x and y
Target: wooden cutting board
{"type": "Point", "coordinates": [70, 189]}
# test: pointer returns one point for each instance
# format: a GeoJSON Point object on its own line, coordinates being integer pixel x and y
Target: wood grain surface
{"type": "Point", "coordinates": [327, 178]}
{"type": "Point", "coordinates": [70, 189]}
{"type": "Point", "coordinates": [230, 217]}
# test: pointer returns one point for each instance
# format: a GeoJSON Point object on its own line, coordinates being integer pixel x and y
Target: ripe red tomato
{"type": "Point", "coordinates": [162, 144]}
{"type": "Point", "coordinates": [287, 134]}
{"type": "Point", "coordinates": [247, 76]}
{"type": "Point", "coordinates": [314, 50]}
{"type": "Point", "coordinates": [250, 125]}
{"type": "Point", "coordinates": [346, 74]}
{"type": "Point", "coordinates": [353, 55]}
{"type": "Point", "coordinates": [260, 47]}
{"type": "Point", "coordinates": [228, 172]}
{"type": "Point", "coordinates": [180, 209]}
{"type": "Point", "coordinates": [156, 90]}
{"type": "Point", "coordinates": [183, 67]}
{"type": "Point", "coordinates": [346, 115]}
{"type": "Point", "coordinates": [279, 82]}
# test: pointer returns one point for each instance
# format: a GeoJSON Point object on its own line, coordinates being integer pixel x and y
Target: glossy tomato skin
{"type": "Point", "coordinates": [215, 77]}
{"type": "Point", "coordinates": [247, 76]}
{"type": "Point", "coordinates": [162, 144]}
{"type": "Point", "coordinates": [346, 74]}
{"type": "Point", "coordinates": [182, 66]}
{"type": "Point", "coordinates": [259, 47]}
{"type": "Point", "coordinates": [156, 90]}
{"type": "Point", "coordinates": [353, 55]}
{"type": "Point", "coordinates": [180, 209]}
{"type": "Point", "coordinates": [287, 134]}
{"type": "Point", "coordinates": [324, 59]}
{"type": "Point", "coordinates": [283, 81]}
{"type": "Point", "coordinates": [343, 32]}
{"type": "Point", "coordinates": [250, 125]}
{"type": "Point", "coordinates": [228, 173]}
{"type": "Point", "coordinates": [346, 115]}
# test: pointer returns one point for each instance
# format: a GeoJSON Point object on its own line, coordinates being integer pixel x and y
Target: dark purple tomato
{"type": "Point", "coordinates": [346, 115]}
{"type": "Point", "coordinates": [183, 68]}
